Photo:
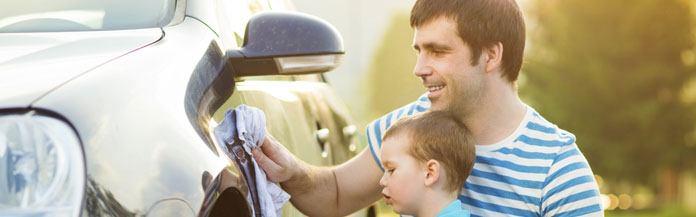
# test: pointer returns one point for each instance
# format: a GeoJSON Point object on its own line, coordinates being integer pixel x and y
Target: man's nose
{"type": "Point", "coordinates": [423, 67]}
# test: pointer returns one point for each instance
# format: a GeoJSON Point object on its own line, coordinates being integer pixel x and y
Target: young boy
{"type": "Point", "coordinates": [426, 159]}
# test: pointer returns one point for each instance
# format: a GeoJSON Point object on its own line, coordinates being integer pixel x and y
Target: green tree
{"type": "Point", "coordinates": [390, 79]}
{"type": "Point", "coordinates": [612, 72]}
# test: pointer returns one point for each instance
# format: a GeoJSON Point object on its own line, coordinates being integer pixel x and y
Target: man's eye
{"type": "Point", "coordinates": [391, 170]}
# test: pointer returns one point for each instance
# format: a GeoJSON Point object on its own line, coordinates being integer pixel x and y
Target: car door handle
{"type": "Point", "coordinates": [323, 135]}
{"type": "Point", "coordinates": [323, 139]}
{"type": "Point", "coordinates": [349, 132]}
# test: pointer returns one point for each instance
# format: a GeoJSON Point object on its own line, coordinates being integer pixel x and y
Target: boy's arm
{"type": "Point", "coordinates": [570, 188]}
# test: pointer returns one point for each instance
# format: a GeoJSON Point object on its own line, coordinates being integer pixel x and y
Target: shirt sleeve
{"type": "Point", "coordinates": [570, 188]}
{"type": "Point", "coordinates": [376, 128]}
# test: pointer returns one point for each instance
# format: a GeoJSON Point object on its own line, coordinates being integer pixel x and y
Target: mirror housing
{"type": "Point", "coordinates": [286, 43]}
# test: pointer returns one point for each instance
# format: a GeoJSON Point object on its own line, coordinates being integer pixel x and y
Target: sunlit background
{"type": "Point", "coordinates": [618, 74]}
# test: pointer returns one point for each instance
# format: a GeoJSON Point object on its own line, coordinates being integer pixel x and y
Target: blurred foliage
{"type": "Point", "coordinates": [620, 75]}
{"type": "Point", "coordinates": [390, 79]}
{"type": "Point", "coordinates": [612, 73]}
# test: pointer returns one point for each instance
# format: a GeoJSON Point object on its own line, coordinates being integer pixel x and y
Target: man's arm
{"type": "Point", "coordinates": [570, 188]}
{"type": "Point", "coordinates": [322, 191]}
{"type": "Point", "coordinates": [334, 191]}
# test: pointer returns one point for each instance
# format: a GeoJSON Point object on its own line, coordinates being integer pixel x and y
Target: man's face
{"type": "Point", "coordinates": [403, 178]}
{"type": "Point", "coordinates": [444, 66]}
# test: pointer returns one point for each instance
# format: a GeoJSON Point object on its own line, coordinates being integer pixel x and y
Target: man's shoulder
{"type": "Point", "coordinates": [375, 129]}
{"type": "Point", "coordinates": [545, 143]}
{"type": "Point", "coordinates": [540, 132]}
{"type": "Point", "coordinates": [381, 124]}
{"type": "Point", "coordinates": [569, 185]}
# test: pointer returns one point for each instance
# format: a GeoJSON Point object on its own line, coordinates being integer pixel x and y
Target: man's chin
{"type": "Point", "coordinates": [437, 105]}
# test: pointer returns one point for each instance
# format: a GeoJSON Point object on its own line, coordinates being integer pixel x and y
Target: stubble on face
{"type": "Point", "coordinates": [445, 67]}
{"type": "Point", "coordinates": [468, 92]}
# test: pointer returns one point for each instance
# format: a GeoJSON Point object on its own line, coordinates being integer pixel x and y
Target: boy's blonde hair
{"type": "Point", "coordinates": [438, 135]}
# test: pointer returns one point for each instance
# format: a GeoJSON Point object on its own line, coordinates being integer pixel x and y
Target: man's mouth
{"type": "Point", "coordinates": [435, 88]}
{"type": "Point", "coordinates": [434, 91]}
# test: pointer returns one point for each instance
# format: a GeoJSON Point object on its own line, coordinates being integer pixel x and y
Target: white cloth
{"type": "Point", "coordinates": [250, 126]}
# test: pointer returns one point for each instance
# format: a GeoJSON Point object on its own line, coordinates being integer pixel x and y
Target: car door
{"type": "Point", "coordinates": [302, 112]}
{"type": "Point", "coordinates": [288, 115]}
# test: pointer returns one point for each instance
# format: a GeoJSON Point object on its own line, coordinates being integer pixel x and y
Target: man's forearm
{"type": "Point", "coordinates": [335, 191]}
{"type": "Point", "coordinates": [321, 191]}
{"type": "Point", "coordinates": [314, 191]}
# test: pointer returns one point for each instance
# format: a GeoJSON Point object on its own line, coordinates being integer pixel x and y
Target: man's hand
{"type": "Point", "coordinates": [278, 163]}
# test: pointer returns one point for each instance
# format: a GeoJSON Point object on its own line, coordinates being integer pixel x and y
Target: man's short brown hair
{"type": "Point", "coordinates": [481, 23]}
{"type": "Point", "coordinates": [439, 136]}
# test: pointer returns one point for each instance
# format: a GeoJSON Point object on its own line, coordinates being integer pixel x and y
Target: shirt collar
{"type": "Point", "coordinates": [454, 209]}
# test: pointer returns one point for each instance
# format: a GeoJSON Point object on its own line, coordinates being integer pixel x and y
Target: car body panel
{"type": "Point", "coordinates": [282, 102]}
{"type": "Point", "coordinates": [295, 112]}
{"type": "Point", "coordinates": [34, 63]}
{"type": "Point", "coordinates": [134, 124]}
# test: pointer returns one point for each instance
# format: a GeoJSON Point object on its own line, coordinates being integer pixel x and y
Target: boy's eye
{"type": "Point", "coordinates": [391, 170]}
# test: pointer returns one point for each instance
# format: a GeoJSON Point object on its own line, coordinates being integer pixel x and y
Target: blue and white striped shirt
{"type": "Point", "coordinates": [537, 171]}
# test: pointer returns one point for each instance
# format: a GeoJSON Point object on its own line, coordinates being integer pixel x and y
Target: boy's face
{"type": "Point", "coordinates": [403, 178]}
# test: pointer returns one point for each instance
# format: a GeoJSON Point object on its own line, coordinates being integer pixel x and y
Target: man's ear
{"type": "Point", "coordinates": [493, 56]}
{"type": "Point", "coordinates": [433, 171]}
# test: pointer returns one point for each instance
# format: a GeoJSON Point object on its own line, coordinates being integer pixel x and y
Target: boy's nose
{"type": "Point", "coordinates": [383, 180]}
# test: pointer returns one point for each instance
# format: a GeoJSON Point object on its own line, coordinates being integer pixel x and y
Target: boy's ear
{"type": "Point", "coordinates": [432, 172]}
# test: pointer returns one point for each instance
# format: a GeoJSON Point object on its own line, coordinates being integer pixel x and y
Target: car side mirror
{"type": "Point", "coordinates": [287, 43]}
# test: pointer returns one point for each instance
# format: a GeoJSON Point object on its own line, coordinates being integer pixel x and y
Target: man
{"type": "Point", "coordinates": [469, 56]}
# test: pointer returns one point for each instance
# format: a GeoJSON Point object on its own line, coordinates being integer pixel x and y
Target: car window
{"type": "Point", "coordinates": [84, 15]}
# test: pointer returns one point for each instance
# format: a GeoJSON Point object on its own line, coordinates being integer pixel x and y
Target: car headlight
{"type": "Point", "coordinates": [42, 171]}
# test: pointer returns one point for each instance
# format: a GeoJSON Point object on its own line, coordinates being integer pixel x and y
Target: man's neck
{"type": "Point", "coordinates": [498, 115]}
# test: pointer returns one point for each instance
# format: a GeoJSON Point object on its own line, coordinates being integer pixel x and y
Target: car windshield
{"type": "Point", "coordinates": [84, 15]}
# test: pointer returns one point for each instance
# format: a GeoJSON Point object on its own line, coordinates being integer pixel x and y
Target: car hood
{"type": "Point", "coordinates": [33, 64]}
